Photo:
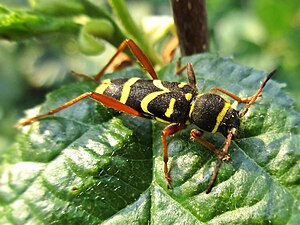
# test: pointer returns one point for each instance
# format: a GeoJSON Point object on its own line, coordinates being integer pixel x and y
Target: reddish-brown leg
{"type": "Point", "coordinates": [137, 52]}
{"type": "Point", "coordinates": [169, 50]}
{"type": "Point", "coordinates": [196, 134]}
{"type": "Point", "coordinates": [179, 68]}
{"type": "Point", "coordinates": [190, 73]}
{"type": "Point", "coordinates": [222, 155]}
{"type": "Point", "coordinates": [249, 100]}
{"type": "Point", "coordinates": [108, 101]}
{"type": "Point", "coordinates": [169, 130]}
{"type": "Point", "coordinates": [231, 95]}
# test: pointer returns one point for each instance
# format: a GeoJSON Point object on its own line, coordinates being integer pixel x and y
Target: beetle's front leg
{"type": "Point", "coordinates": [222, 155]}
{"type": "Point", "coordinates": [196, 134]}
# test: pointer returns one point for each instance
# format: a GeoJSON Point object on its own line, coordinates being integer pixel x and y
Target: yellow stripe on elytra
{"type": "Point", "coordinates": [158, 84]}
{"type": "Point", "coordinates": [102, 87]}
{"type": "Point", "coordinates": [181, 85]}
{"type": "Point", "coordinates": [170, 109]}
{"type": "Point", "coordinates": [161, 120]}
{"type": "Point", "coordinates": [221, 116]}
{"type": "Point", "coordinates": [145, 102]}
{"type": "Point", "coordinates": [126, 89]}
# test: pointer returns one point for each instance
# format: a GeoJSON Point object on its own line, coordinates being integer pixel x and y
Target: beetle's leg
{"type": "Point", "coordinates": [85, 76]}
{"type": "Point", "coordinates": [179, 68]}
{"type": "Point", "coordinates": [196, 134]}
{"type": "Point", "coordinates": [137, 52]}
{"type": "Point", "coordinates": [222, 155]}
{"type": "Point", "coordinates": [190, 73]}
{"type": "Point", "coordinates": [169, 130]}
{"type": "Point", "coordinates": [225, 149]}
{"type": "Point", "coordinates": [249, 100]}
{"type": "Point", "coordinates": [108, 101]}
{"type": "Point", "coordinates": [231, 95]}
{"type": "Point", "coordinates": [169, 49]}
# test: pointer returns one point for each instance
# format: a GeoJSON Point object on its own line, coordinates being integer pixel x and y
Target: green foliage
{"type": "Point", "coordinates": [42, 43]}
{"type": "Point", "coordinates": [89, 42]}
{"type": "Point", "coordinates": [58, 16]}
{"type": "Point", "coordinates": [90, 164]}
{"type": "Point", "coordinates": [260, 34]}
{"type": "Point", "coordinates": [17, 25]}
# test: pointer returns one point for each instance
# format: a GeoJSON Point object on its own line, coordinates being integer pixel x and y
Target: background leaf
{"type": "Point", "coordinates": [90, 164]}
{"type": "Point", "coordinates": [18, 25]}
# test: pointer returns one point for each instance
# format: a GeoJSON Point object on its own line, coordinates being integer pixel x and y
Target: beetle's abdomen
{"type": "Point", "coordinates": [208, 111]}
{"type": "Point", "coordinates": [162, 100]}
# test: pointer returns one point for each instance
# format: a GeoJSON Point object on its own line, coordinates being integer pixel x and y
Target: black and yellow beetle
{"type": "Point", "coordinates": [175, 103]}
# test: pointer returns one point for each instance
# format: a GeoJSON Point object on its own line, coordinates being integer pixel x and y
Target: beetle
{"type": "Point", "coordinates": [177, 104]}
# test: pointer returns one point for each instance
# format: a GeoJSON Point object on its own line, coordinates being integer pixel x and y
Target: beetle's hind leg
{"type": "Point", "coordinates": [108, 101]}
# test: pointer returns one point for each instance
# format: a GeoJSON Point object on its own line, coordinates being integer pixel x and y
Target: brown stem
{"type": "Point", "coordinates": [191, 24]}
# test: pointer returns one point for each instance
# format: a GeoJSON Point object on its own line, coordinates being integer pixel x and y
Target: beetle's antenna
{"type": "Point", "coordinates": [257, 94]}
{"type": "Point", "coordinates": [214, 177]}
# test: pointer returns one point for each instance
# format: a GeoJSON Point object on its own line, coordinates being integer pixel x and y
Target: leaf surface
{"type": "Point", "coordinates": [93, 165]}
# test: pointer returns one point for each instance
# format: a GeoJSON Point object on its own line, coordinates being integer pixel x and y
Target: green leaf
{"type": "Point", "coordinates": [57, 7]}
{"type": "Point", "coordinates": [120, 9]}
{"type": "Point", "coordinates": [92, 165]}
{"type": "Point", "coordinates": [16, 25]}
{"type": "Point", "coordinates": [91, 35]}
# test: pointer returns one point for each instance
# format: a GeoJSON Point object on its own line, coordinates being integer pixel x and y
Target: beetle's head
{"type": "Point", "coordinates": [231, 120]}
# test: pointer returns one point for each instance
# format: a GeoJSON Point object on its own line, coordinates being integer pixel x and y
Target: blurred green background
{"type": "Point", "coordinates": [260, 34]}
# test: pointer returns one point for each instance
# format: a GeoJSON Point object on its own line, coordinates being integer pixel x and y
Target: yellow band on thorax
{"type": "Point", "coordinates": [221, 115]}
{"type": "Point", "coordinates": [170, 109]}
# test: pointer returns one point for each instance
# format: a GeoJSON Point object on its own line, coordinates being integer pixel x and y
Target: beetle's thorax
{"type": "Point", "coordinates": [212, 113]}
